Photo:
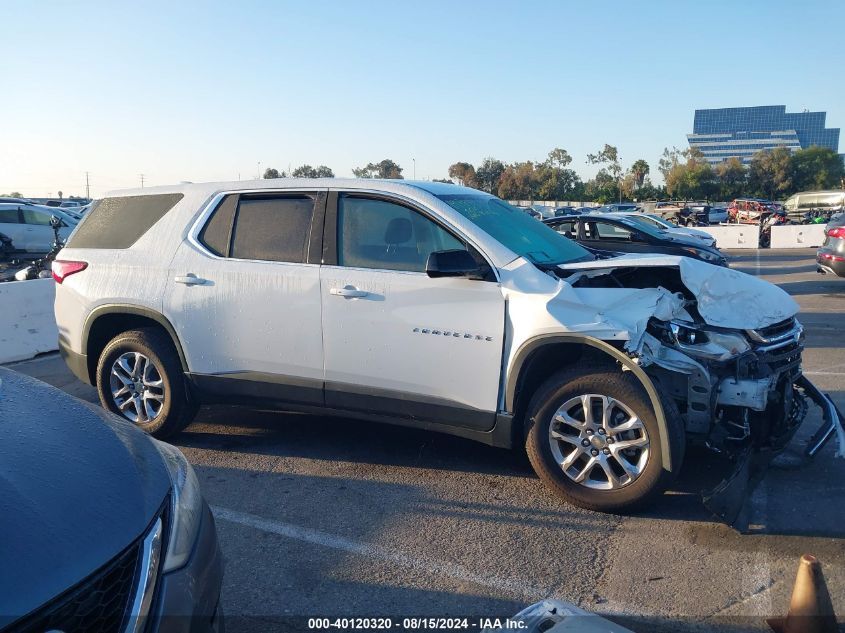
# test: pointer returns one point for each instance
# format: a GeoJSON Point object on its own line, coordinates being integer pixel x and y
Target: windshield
{"type": "Point", "coordinates": [644, 226]}
{"type": "Point", "coordinates": [515, 229]}
{"type": "Point", "coordinates": [660, 221]}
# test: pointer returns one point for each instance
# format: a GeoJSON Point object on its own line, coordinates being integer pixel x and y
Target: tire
{"type": "Point", "coordinates": [163, 406]}
{"type": "Point", "coordinates": [627, 491]}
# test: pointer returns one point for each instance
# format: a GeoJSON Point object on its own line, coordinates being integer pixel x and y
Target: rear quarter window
{"type": "Point", "coordinates": [120, 222]}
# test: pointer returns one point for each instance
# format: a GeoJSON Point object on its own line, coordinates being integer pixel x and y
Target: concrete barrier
{"type": "Point", "coordinates": [734, 235]}
{"type": "Point", "coordinates": [27, 323]}
{"type": "Point", "coordinates": [797, 235]}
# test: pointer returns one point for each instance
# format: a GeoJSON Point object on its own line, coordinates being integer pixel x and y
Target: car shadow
{"type": "Point", "coordinates": [332, 439]}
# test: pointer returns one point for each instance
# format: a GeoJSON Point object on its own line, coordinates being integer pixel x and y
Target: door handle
{"type": "Point", "coordinates": [190, 280]}
{"type": "Point", "coordinates": [350, 292]}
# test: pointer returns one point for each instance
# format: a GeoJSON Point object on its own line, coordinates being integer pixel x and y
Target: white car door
{"type": "Point", "coordinates": [37, 229]}
{"type": "Point", "coordinates": [397, 342]}
{"type": "Point", "coordinates": [245, 301]}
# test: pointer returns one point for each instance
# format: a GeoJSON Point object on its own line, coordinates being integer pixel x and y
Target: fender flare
{"type": "Point", "coordinates": [532, 344]}
{"type": "Point", "coordinates": [120, 308]}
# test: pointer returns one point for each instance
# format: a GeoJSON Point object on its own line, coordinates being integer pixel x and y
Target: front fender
{"type": "Point", "coordinates": [533, 344]}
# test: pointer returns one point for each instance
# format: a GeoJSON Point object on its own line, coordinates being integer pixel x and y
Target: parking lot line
{"type": "Point", "coordinates": [375, 552]}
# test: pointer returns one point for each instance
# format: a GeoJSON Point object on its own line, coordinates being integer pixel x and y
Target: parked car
{"type": "Point", "coordinates": [616, 208]}
{"type": "Point", "coordinates": [655, 221]}
{"type": "Point", "coordinates": [563, 211]}
{"type": "Point", "coordinates": [28, 226]}
{"type": "Point", "coordinates": [749, 210]}
{"type": "Point", "coordinates": [615, 233]}
{"type": "Point", "coordinates": [831, 256]}
{"type": "Point", "coordinates": [103, 528]}
{"type": "Point", "coordinates": [435, 306]}
{"type": "Point", "coordinates": [809, 207]}
{"type": "Point", "coordinates": [717, 215]}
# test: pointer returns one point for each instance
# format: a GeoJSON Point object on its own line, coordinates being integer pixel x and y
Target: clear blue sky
{"type": "Point", "coordinates": [184, 91]}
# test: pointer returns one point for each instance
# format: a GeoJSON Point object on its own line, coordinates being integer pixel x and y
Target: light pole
{"type": "Point", "coordinates": [259, 171]}
{"type": "Point", "coordinates": [415, 167]}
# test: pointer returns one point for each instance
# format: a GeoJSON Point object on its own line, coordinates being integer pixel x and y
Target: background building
{"type": "Point", "coordinates": [725, 132]}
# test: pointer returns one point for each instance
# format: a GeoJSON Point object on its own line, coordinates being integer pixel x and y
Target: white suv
{"type": "Point", "coordinates": [428, 305]}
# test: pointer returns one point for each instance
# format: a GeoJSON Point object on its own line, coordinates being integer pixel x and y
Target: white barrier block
{"type": "Point", "coordinates": [734, 235]}
{"type": "Point", "coordinates": [797, 236]}
{"type": "Point", "coordinates": [27, 322]}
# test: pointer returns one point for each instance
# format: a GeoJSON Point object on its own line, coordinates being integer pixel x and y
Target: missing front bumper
{"type": "Point", "coordinates": [729, 500]}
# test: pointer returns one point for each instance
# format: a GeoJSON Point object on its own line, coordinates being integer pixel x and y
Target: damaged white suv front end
{"type": "Point", "coordinates": [724, 346]}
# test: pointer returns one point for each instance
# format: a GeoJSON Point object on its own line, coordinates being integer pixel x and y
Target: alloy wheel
{"type": "Point", "coordinates": [137, 388]}
{"type": "Point", "coordinates": [599, 442]}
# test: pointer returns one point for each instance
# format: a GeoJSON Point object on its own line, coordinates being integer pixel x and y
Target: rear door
{"type": "Point", "coordinates": [37, 230]}
{"type": "Point", "coordinates": [244, 296]}
{"type": "Point", "coordinates": [397, 342]}
{"type": "Point", "coordinates": [11, 226]}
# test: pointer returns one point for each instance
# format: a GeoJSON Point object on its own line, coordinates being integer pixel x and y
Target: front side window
{"type": "Point", "coordinates": [383, 235]}
{"type": "Point", "coordinates": [272, 228]}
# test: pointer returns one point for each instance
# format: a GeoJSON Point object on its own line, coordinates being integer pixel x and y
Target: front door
{"type": "Point", "coordinates": [397, 342]}
{"type": "Point", "coordinates": [245, 301]}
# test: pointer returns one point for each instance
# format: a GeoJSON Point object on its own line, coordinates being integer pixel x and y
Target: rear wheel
{"type": "Point", "coordinates": [593, 438]}
{"type": "Point", "coordinates": [140, 378]}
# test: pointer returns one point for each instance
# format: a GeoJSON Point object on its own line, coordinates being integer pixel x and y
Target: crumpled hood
{"type": "Point", "coordinates": [725, 297]}
{"type": "Point", "coordinates": [77, 486]}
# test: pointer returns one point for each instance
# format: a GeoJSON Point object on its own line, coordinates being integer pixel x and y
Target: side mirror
{"type": "Point", "coordinates": [55, 221]}
{"type": "Point", "coordinates": [456, 263]}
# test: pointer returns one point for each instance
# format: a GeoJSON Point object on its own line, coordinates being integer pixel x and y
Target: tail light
{"type": "Point", "coordinates": [839, 232]}
{"type": "Point", "coordinates": [832, 258]}
{"type": "Point", "coordinates": [63, 269]}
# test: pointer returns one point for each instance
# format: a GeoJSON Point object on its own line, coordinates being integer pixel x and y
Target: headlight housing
{"type": "Point", "coordinates": [708, 256]}
{"type": "Point", "coordinates": [704, 343]}
{"type": "Point", "coordinates": [186, 507]}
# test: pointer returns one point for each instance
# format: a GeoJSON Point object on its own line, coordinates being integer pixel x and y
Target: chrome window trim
{"type": "Point", "coordinates": [203, 216]}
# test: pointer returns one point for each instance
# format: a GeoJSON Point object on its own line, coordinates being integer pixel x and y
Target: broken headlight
{"type": "Point", "coordinates": [704, 343]}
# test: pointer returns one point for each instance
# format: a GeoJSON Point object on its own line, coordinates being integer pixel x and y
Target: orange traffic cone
{"type": "Point", "coordinates": [810, 609]}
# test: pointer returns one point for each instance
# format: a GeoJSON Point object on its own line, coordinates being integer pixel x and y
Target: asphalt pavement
{"type": "Point", "coordinates": [323, 516]}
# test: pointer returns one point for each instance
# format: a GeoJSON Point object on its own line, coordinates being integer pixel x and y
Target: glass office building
{"type": "Point", "coordinates": [740, 132]}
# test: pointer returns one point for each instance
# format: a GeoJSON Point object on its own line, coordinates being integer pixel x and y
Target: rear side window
{"type": "Point", "coordinates": [36, 217]}
{"type": "Point", "coordinates": [9, 216]}
{"type": "Point", "coordinates": [273, 229]}
{"type": "Point", "coordinates": [217, 232]}
{"type": "Point", "coordinates": [120, 222]}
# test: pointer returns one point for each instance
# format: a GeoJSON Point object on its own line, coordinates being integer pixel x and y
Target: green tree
{"type": "Point", "coordinates": [384, 169]}
{"type": "Point", "coordinates": [608, 157]}
{"type": "Point", "coordinates": [692, 179]}
{"type": "Point", "coordinates": [464, 173]}
{"type": "Point", "coordinates": [488, 174]}
{"type": "Point", "coordinates": [271, 173]}
{"type": "Point", "coordinates": [14, 194]}
{"type": "Point", "coordinates": [770, 173]}
{"type": "Point", "coordinates": [603, 188]}
{"type": "Point", "coordinates": [518, 182]}
{"type": "Point", "coordinates": [304, 171]}
{"type": "Point", "coordinates": [732, 177]}
{"type": "Point", "coordinates": [559, 158]}
{"type": "Point", "coordinates": [816, 168]}
{"type": "Point", "coordinates": [553, 180]}
{"type": "Point", "coordinates": [639, 170]}
{"type": "Point", "coordinates": [307, 171]}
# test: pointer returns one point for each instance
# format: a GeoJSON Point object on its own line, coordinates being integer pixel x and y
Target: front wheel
{"type": "Point", "coordinates": [593, 438]}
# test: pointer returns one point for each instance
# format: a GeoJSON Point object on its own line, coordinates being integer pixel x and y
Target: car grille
{"type": "Point", "coordinates": [774, 333]}
{"type": "Point", "coordinates": [779, 345]}
{"type": "Point", "coordinates": [102, 603]}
